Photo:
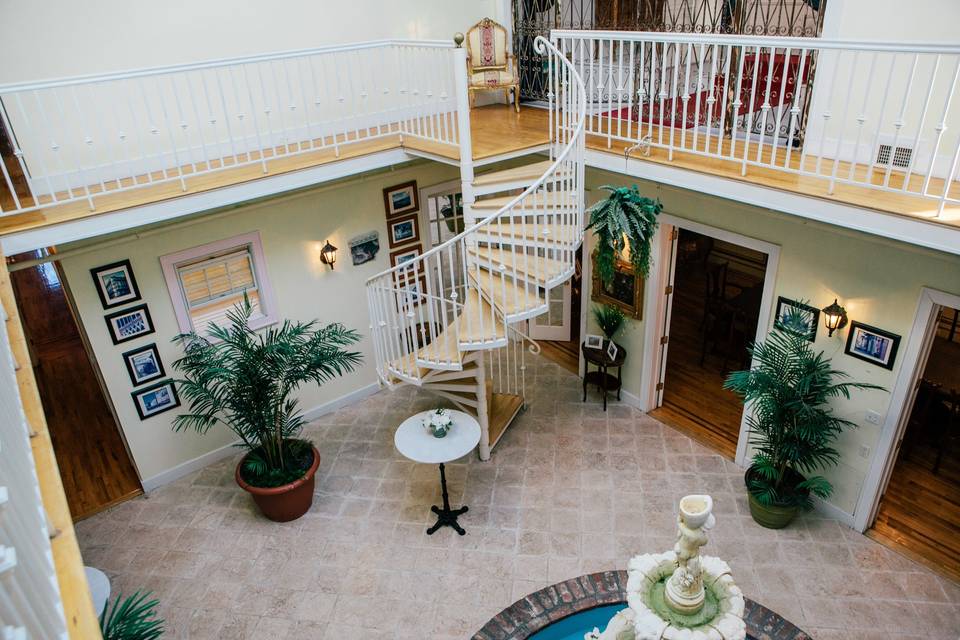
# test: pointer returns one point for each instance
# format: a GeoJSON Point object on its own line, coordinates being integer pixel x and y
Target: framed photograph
{"type": "Point", "coordinates": [797, 318]}
{"type": "Point", "coordinates": [364, 248]}
{"type": "Point", "coordinates": [401, 198]}
{"type": "Point", "coordinates": [129, 324]}
{"type": "Point", "coordinates": [115, 284]}
{"type": "Point", "coordinates": [143, 364]}
{"type": "Point", "coordinates": [874, 345]}
{"type": "Point", "coordinates": [612, 350]}
{"type": "Point", "coordinates": [403, 231]}
{"type": "Point", "coordinates": [625, 292]}
{"type": "Point", "coordinates": [155, 399]}
{"type": "Point", "coordinates": [593, 342]}
{"type": "Point", "coordinates": [410, 293]}
{"type": "Point", "coordinates": [400, 256]}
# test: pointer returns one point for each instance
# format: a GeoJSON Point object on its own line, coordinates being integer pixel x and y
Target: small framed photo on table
{"type": "Point", "coordinates": [612, 350]}
{"type": "Point", "coordinates": [403, 231]}
{"type": "Point", "coordinates": [400, 199]}
{"type": "Point", "coordinates": [129, 324]}
{"type": "Point", "coordinates": [873, 345]}
{"type": "Point", "coordinates": [156, 399]}
{"type": "Point", "coordinates": [593, 342]}
{"type": "Point", "coordinates": [115, 284]}
{"type": "Point", "coordinates": [143, 364]}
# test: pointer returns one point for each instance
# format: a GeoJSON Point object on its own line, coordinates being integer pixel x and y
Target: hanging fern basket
{"type": "Point", "coordinates": [624, 219]}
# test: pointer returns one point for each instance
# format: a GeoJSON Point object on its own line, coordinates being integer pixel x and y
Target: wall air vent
{"type": "Point", "coordinates": [901, 156]}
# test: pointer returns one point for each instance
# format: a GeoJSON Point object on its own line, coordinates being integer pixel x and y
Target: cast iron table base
{"type": "Point", "coordinates": [446, 517]}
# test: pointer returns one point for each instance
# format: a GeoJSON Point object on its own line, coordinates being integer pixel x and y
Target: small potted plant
{"type": "Point", "coordinates": [609, 319]}
{"type": "Point", "coordinates": [245, 380]}
{"type": "Point", "coordinates": [438, 422]}
{"type": "Point", "coordinates": [792, 426]}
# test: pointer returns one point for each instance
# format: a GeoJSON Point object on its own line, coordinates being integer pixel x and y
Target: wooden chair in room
{"type": "Point", "coordinates": [918, 424]}
{"type": "Point", "coordinates": [490, 65]}
{"type": "Point", "coordinates": [715, 292]}
{"type": "Point", "coordinates": [949, 430]}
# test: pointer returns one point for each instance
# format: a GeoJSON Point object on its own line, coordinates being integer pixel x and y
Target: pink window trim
{"type": "Point", "coordinates": [170, 261]}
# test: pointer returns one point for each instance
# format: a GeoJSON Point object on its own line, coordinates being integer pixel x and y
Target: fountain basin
{"type": "Point", "coordinates": [573, 600]}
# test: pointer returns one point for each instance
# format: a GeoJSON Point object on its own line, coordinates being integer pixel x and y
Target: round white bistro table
{"type": "Point", "coordinates": [415, 442]}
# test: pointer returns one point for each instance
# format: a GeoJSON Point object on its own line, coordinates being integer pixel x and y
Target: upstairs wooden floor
{"type": "Point", "coordinates": [497, 131]}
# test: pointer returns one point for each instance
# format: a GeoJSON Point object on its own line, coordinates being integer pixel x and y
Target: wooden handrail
{"type": "Point", "coordinates": [78, 608]}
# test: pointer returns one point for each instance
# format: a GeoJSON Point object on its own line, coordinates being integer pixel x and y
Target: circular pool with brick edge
{"type": "Point", "coordinates": [569, 609]}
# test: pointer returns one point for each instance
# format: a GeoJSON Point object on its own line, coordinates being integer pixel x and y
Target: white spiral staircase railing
{"type": "Point", "coordinates": [464, 295]}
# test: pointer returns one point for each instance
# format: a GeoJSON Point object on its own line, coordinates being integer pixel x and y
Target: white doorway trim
{"type": "Point", "coordinates": [901, 402]}
{"type": "Point", "coordinates": [654, 307]}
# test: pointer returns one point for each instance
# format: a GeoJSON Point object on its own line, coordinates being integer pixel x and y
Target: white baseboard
{"type": "Point", "coordinates": [342, 401]}
{"type": "Point", "coordinates": [182, 469]}
{"type": "Point", "coordinates": [174, 473]}
{"type": "Point", "coordinates": [832, 511]}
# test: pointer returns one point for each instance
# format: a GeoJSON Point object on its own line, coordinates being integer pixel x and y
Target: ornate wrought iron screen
{"type": "Point", "coordinates": [802, 18]}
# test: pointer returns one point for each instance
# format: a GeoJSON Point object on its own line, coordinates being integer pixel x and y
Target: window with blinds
{"type": "Point", "coordinates": [206, 282]}
{"type": "Point", "coordinates": [215, 284]}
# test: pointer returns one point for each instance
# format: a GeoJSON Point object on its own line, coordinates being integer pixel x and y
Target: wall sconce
{"type": "Point", "coordinates": [328, 255]}
{"type": "Point", "coordinates": [835, 317]}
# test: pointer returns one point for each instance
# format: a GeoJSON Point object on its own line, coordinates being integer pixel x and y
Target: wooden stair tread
{"type": "Point", "coordinates": [539, 200]}
{"type": "Point", "coordinates": [470, 326]}
{"type": "Point", "coordinates": [502, 408]}
{"type": "Point", "coordinates": [538, 269]}
{"type": "Point", "coordinates": [531, 172]}
{"type": "Point", "coordinates": [530, 231]}
{"type": "Point", "coordinates": [506, 295]}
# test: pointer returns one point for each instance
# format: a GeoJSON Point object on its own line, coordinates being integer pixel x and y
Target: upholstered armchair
{"type": "Point", "coordinates": [490, 65]}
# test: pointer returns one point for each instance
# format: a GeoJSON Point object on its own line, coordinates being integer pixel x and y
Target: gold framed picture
{"type": "Point", "coordinates": [625, 292]}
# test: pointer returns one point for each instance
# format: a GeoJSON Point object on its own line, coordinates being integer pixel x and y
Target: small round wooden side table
{"type": "Point", "coordinates": [605, 381]}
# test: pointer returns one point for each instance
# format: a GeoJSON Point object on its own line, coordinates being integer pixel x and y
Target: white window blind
{"type": "Point", "coordinates": [215, 284]}
{"type": "Point", "coordinates": [30, 605]}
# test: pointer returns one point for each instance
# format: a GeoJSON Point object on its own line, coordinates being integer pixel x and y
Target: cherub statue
{"type": "Point", "coordinates": [685, 587]}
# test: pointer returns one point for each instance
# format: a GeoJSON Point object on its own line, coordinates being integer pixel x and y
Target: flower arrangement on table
{"type": "Point", "coordinates": [438, 422]}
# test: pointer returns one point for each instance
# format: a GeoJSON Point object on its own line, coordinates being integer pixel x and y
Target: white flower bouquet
{"type": "Point", "coordinates": [438, 422]}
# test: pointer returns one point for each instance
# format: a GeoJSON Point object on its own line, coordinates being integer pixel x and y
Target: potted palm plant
{"type": "Point", "coordinates": [792, 426]}
{"type": "Point", "coordinates": [245, 379]}
{"type": "Point", "coordinates": [131, 618]}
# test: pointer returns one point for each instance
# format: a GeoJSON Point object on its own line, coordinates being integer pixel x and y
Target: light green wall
{"type": "Point", "coordinates": [878, 281]}
{"type": "Point", "coordinates": [292, 230]}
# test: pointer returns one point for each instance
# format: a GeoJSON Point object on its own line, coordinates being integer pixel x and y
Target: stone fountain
{"type": "Point", "coordinates": [679, 594]}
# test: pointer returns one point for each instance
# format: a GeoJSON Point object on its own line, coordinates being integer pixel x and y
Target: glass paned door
{"type": "Point", "coordinates": [444, 217]}
{"type": "Point", "coordinates": [555, 323]}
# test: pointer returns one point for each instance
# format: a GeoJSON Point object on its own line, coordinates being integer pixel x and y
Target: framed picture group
{"type": "Point", "coordinates": [116, 286]}
{"type": "Point", "coordinates": [401, 204]}
{"type": "Point", "coordinates": [864, 342]}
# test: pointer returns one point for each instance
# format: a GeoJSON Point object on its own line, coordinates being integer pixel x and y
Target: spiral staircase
{"type": "Point", "coordinates": [452, 320]}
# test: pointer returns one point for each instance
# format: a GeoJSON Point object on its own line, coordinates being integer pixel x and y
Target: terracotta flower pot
{"type": "Point", "coordinates": [287, 502]}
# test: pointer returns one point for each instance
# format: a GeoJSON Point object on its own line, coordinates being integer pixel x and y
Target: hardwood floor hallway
{"type": "Point", "coordinates": [920, 509]}
{"type": "Point", "coordinates": [94, 464]}
{"type": "Point", "coordinates": [694, 399]}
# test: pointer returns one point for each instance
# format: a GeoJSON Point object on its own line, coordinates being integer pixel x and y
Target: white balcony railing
{"type": "Point", "coordinates": [874, 115]}
{"type": "Point", "coordinates": [82, 138]}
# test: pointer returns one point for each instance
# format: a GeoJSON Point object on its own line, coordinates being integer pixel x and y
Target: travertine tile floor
{"type": "Point", "coordinates": [570, 490]}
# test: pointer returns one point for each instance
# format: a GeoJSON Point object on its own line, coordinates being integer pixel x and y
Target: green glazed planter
{"type": "Point", "coordinates": [771, 517]}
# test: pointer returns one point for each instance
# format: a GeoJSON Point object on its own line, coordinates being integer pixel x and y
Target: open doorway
{"type": "Point", "coordinates": [94, 464]}
{"type": "Point", "coordinates": [714, 301]}
{"type": "Point", "coordinates": [919, 512]}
